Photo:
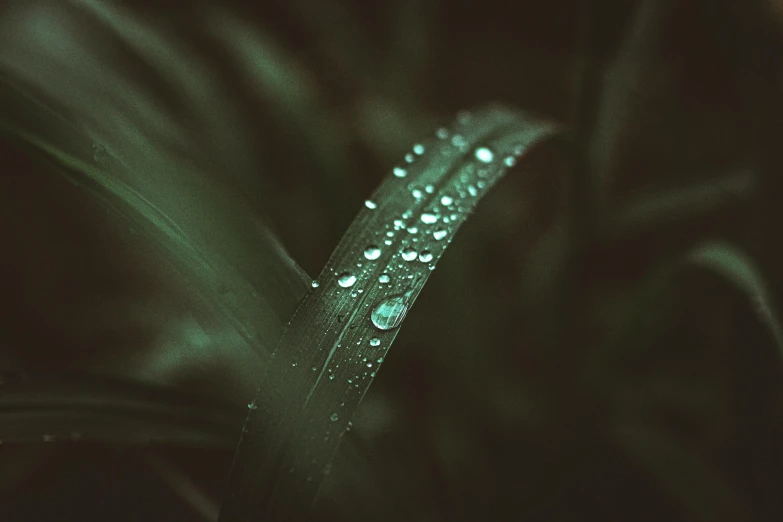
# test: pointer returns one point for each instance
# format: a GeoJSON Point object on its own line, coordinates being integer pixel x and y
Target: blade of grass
{"type": "Point", "coordinates": [738, 269]}
{"type": "Point", "coordinates": [37, 407]}
{"type": "Point", "coordinates": [238, 266]}
{"type": "Point", "coordinates": [341, 333]}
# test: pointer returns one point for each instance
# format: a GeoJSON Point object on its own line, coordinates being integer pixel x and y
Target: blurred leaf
{"type": "Point", "coordinates": [739, 270]}
{"type": "Point", "coordinates": [178, 194]}
{"type": "Point", "coordinates": [48, 407]}
{"type": "Point", "coordinates": [338, 338]}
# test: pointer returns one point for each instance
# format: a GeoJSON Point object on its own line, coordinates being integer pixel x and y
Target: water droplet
{"type": "Point", "coordinates": [446, 200]}
{"type": "Point", "coordinates": [429, 189]}
{"type": "Point", "coordinates": [440, 233]}
{"type": "Point", "coordinates": [472, 190]}
{"type": "Point", "coordinates": [331, 377]}
{"type": "Point", "coordinates": [409, 158]}
{"type": "Point", "coordinates": [380, 360]}
{"type": "Point", "coordinates": [417, 193]}
{"type": "Point", "coordinates": [400, 172]}
{"type": "Point", "coordinates": [418, 149]}
{"type": "Point", "coordinates": [464, 117]}
{"type": "Point", "coordinates": [510, 161]}
{"type": "Point", "coordinates": [372, 252]}
{"type": "Point", "coordinates": [408, 254]}
{"type": "Point", "coordinates": [98, 152]}
{"type": "Point", "coordinates": [442, 133]}
{"type": "Point", "coordinates": [398, 224]}
{"type": "Point", "coordinates": [370, 204]}
{"type": "Point", "coordinates": [429, 218]}
{"type": "Point", "coordinates": [315, 284]}
{"type": "Point", "coordinates": [389, 234]}
{"type": "Point", "coordinates": [412, 230]}
{"type": "Point", "coordinates": [334, 417]}
{"type": "Point", "coordinates": [375, 341]}
{"type": "Point", "coordinates": [369, 365]}
{"type": "Point", "coordinates": [518, 150]}
{"type": "Point", "coordinates": [387, 242]}
{"type": "Point", "coordinates": [252, 406]}
{"type": "Point", "coordinates": [346, 280]}
{"type": "Point", "coordinates": [459, 141]}
{"type": "Point", "coordinates": [425, 256]}
{"type": "Point", "coordinates": [484, 155]}
{"type": "Point", "coordinates": [389, 313]}
{"type": "Point", "coordinates": [384, 278]}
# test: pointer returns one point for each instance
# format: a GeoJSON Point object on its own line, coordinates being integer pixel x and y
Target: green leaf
{"type": "Point", "coordinates": [738, 269]}
{"type": "Point", "coordinates": [37, 407]}
{"type": "Point", "coordinates": [341, 333]}
{"type": "Point", "coordinates": [175, 184]}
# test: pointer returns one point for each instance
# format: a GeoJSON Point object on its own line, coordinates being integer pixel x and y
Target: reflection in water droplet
{"type": "Point", "coordinates": [372, 252]}
{"type": "Point", "coordinates": [400, 172]}
{"type": "Point", "coordinates": [384, 278]}
{"type": "Point", "coordinates": [334, 417]}
{"type": "Point", "coordinates": [408, 254]}
{"type": "Point", "coordinates": [429, 218]}
{"type": "Point", "coordinates": [484, 155]}
{"type": "Point", "coordinates": [446, 200]}
{"type": "Point", "coordinates": [425, 256]}
{"type": "Point", "coordinates": [375, 341]}
{"type": "Point", "coordinates": [315, 284]}
{"type": "Point", "coordinates": [389, 313]}
{"type": "Point", "coordinates": [439, 233]}
{"type": "Point", "coordinates": [370, 204]}
{"type": "Point", "coordinates": [418, 149]}
{"type": "Point", "coordinates": [346, 280]}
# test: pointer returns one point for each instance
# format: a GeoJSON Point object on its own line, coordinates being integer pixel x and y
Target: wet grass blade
{"type": "Point", "coordinates": [37, 407]}
{"type": "Point", "coordinates": [339, 336]}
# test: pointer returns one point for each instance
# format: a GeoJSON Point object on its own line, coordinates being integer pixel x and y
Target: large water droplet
{"type": "Point", "coordinates": [412, 230]}
{"type": "Point", "coordinates": [370, 204]}
{"type": "Point", "coordinates": [440, 233]}
{"type": "Point", "coordinates": [375, 341]}
{"type": "Point", "coordinates": [346, 280]}
{"type": "Point", "coordinates": [425, 256]}
{"type": "Point", "coordinates": [408, 254]}
{"type": "Point", "coordinates": [484, 155]}
{"type": "Point", "coordinates": [429, 218]}
{"type": "Point", "coordinates": [384, 278]}
{"type": "Point", "coordinates": [372, 252]}
{"type": "Point", "coordinates": [400, 172]}
{"type": "Point", "coordinates": [315, 284]}
{"type": "Point", "coordinates": [389, 313]}
{"type": "Point", "coordinates": [446, 201]}
{"type": "Point", "coordinates": [417, 193]}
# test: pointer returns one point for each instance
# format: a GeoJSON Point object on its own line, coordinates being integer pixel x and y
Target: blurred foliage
{"type": "Point", "coordinates": [600, 343]}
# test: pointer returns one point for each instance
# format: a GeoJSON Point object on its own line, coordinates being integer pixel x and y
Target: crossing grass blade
{"type": "Point", "coordinates": [339, 336]}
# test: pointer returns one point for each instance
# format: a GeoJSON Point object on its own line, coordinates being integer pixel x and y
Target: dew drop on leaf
{"type": "Point", "coordinates": [429, 218]}
{"type": "Point", "coordinates": [484, 155]}
{"type": "Point", "coordinates": [442, 133]}
{"type": "Point", "coordinates": [370, 204]}
{"type": "Point", "coordinates": [384, 278]}
{"type": "Point", "coordinates": [446, 201]}
{"type": "Point", "coordinates": [375, 341]}
{"type": "Point", "coordinates": [315, 284]}
{"type": "Point", "coordinates": [440, 233]}
{"type": "Point", "coordinates": [409, 254]}
{"type": "Point", "coordinates": [400, 172]}
{"type": "Point", "coordinates": [459, 141]}
{"type": "Point", "coordinates": [372, 252]}
{"type": "Point", "coordinates": [409, 158]}
{"type": "Point", "coordinates": [418, 149]}
{"type": "Point", "coordinates": [413, 230]}
{"type": "Point", "coordinates": [417, 193]}
{"type": "Point", "coordinates": [389, 313]}
{"type": "Point", "coordinates": [346, 280]}
{"type": "Point", "coordinates": [425, 256]}
{"type": "Point", "coordinates": [429, 189]}
{"type": "Point", "coordinates": [334, 417]}
{"type": "Point", "coordinates": [510, 161]}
